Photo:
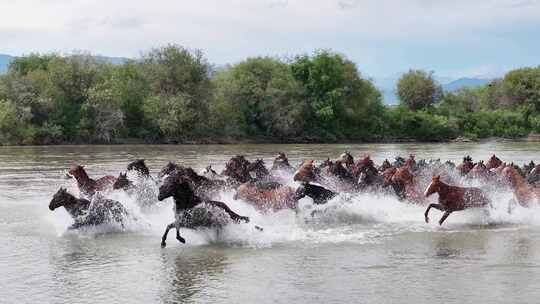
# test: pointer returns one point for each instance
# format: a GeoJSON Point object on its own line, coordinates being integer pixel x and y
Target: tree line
{"type": "Point", "coordinates": [174, 95]}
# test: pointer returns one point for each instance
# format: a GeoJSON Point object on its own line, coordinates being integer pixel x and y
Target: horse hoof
{"type": "Point", "coordinates": [163, 244]}
{"type": "Point", "coordinates": [181, 240]}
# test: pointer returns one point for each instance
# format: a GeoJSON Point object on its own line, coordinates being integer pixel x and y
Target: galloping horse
{"type": "Point", "coordinates": [466, 166]}
{"type": "Point", "coordinates": [533, 177]}
{"type": "Point", "coordinates": [453, 198]}
{"type": "Point", "coordinates": [523, 191]}
{"type": "Point", "coordinates": [258, 168]}
{"type": "Point", "coordinates": [306, 172]}
{"type": "Point", "coordinates": [366, 173]}
{"type": "Point", "coordinates": [191, 211]}
{"type": "Point", "coordinates": [319, 194]}
{"type": "Point", "coordinates": [493, 162]}
{"type": "Point", "coordinates": [401, 180]}
{"type": "Point", "coordinates": [87, 185]}
{"type": "Point", "coordinates": [86, 213]}
{"type": "Point", "coordinates": [281, 162]}
{"type": "Point", "coordinates": [267, 195]}
{"type": "Point", "coordinates": [237, 169]}
{"type": "Point", "coordinates": [122, 182]}
{"type": "Point", "coordinates": [139, 166]}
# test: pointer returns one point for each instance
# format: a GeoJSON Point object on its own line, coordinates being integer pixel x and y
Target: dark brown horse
{"type": "Point", "coordinates": [453, 198]}
{"type": "Point", "coordinates": [140, 167]}
{"type": "Point", "coordinates": [192, 211]}
{"type": "Point", "coordinates": [465, 166]}
{"type": "Point", "coordinates": [281, 162]}
{"type": "Point", "coordinates": [236, 169]}
{"type": "Point", "coordinates": [493, 162]}
{"type": "Point", "coordinates": [85, 213]}
{"type": "Point", "coordinates": [87, 185]}
{"type": "Point", "coordinates": [525, 194]}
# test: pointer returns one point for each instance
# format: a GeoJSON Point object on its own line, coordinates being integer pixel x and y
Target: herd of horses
{"type": "Point", "coordinates": [270, 189]}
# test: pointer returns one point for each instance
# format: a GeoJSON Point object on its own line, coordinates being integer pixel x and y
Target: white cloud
{"type": "Point", "coordinates": [231, 30]}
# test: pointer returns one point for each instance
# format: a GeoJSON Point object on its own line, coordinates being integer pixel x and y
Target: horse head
{"type": "Point", "coordinates": [534, 175]}
{"type": "Point", "coordinates": [122, 182]}
{"type": "Point", "coordinates": [493, 162]}
{"type": "Point", "coordinates": [305, 172]}
{"type": "Point", "coordinates": [61, 198]}
{"type": "Point", "coordinates": [78, 172]}
{"type": "Point", "coordinates": [168, 169]}
{"type": "Point", "coordinates": [259, 168]}
{"type": "Point", "coordinates": [434, 186]}
{"type": "Point", "coordinates": [139, 166]}
{"type": "Point", "coordinates": [347, 158]}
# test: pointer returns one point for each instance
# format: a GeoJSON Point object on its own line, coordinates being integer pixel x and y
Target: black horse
{"type": "Point", "coordinates": [191, 211]}
{"type": "Point", "coordinates": [122, 182]}
{"type": "Point", "coordinates": [86, 213]}
{"type": "Point", "coordinates": [139, 166]}
{"type": "Point", "coordinates": [319, 194]}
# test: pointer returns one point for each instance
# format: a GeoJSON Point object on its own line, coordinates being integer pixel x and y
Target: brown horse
{"type": "Point", "coordinates": [493, 162]}
{"type": "Point", "coordinates": [281, 162]}
{"type": "Point", "coordinates": [453, 198]}
{"type": "Point", "coordinates": [267, 196]}
{"type": "Point", "coordinates": [305, 172]}
{"type": "Point", "coordinates": [402, 181]}
{"type": "Point", "coordinates": [466, 166]}
{"type": "Point", "coordinates": [87, 185]}
{"type": "Point", "coordinates": [480, 171]}
{"type": "Point", "coordinates": [523, 191]}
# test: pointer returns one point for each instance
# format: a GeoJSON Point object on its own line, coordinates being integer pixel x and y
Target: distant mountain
{"type": "Point", "coordinates": [465, 83]}
{"type": "Point", "coordinates": [4, 62]}
{"type": "Point", "coordinates": [387, 85]}
{"type": "Point", "coordinates": [6, 59]}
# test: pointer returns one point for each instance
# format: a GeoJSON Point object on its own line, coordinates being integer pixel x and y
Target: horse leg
{"type": "Point", "coordinates": [436, 206]}
{"type": "Point", "coordinates": [445, 215]}
{"type": "Point", "coordinates": [234, 216]}
{"type": "Point", "coordinates": [178, 237]}
{"type": "Point", "coordinates": [164, 237]}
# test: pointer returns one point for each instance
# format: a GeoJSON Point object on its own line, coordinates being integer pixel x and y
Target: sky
{"type": "Point", "coordinates": [455, 38]}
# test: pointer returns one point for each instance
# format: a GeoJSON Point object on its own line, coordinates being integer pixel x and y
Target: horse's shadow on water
{"type": "Point", "coordinates": [189, 271]}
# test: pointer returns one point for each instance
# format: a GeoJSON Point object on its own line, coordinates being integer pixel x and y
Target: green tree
{"type": "Point", "coordinates": [418, 90]}
{"type": "Point", "coordinates": [523, 86]}
{"type": "Point", "coordinates": [178, 78]}
{"type": "Point", "coordinates": [266, 95]}
{"type": "Point", "coordinates": [337, 96]}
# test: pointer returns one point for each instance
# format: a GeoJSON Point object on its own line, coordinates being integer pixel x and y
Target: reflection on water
{"type": "Point", "coordinates": [189, 272]}
{"type": "Point", "coordinates": [371, 249]}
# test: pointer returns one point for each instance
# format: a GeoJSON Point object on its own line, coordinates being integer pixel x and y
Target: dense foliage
{"type": "Point", "coordinates": [172, 94]}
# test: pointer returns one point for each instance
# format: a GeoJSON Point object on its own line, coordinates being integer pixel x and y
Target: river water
{"type": "Point", "coordinates": [364, 249]}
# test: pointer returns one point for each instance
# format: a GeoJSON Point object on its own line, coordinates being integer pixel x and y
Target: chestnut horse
{"type": "Point", "coordinates": [87, 185]}
{"type": "Point", "coordinates": [401, 179]}
{"type": "Point", "coordinates": [267, 195]}
{"type": "Point", "coordinates": [306, 172]}
{"type": "Point", "coordinates": [453, 198]}
{"type": "Point", "coordinates": [523, 191]}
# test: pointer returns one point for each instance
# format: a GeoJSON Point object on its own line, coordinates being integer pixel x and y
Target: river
{"type": "Point", "coordinates": [366, 249]}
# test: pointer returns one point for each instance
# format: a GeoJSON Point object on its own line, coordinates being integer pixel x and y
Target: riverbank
{"type": "Point", "coordinates": [263, 140]}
